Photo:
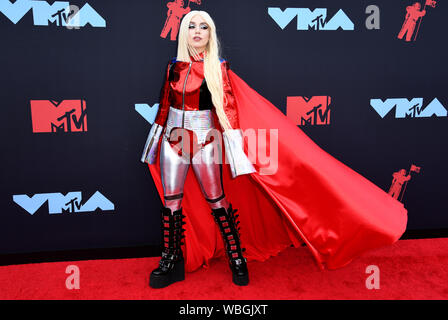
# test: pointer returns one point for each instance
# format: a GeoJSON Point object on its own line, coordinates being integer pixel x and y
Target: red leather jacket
{"type": "Point", "coordinates": [185, 84]}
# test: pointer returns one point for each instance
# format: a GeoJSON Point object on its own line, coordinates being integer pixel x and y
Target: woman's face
{"type": "Point", "coordinates": [198, 33]}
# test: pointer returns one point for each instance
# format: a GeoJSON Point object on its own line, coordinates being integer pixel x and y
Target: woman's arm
{"type": "Point", "coordinates": [233, 138]}
{"type": "Point", "coordinates": [152, 142]}
{"type": "Point", "coordinates": [230, 107]}
{"type": "Point", "coordinates": [164, 101]}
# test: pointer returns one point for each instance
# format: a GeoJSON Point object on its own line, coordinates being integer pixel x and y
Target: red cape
{"type": "Point", "coordinates": [312, 198]}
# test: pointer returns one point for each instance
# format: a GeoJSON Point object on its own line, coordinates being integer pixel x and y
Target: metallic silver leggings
{"type": "Point", "coordinates": [174, 170]}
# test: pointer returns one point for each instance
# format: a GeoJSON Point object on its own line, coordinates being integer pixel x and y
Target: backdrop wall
{"type": "Point", "coordinates": [75, 91]}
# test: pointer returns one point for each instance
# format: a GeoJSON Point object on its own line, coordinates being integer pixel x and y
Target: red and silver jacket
{"type": "Point", "coordinates": [185, 89]}
{"type": "Point", "coordinates": [185, 85]}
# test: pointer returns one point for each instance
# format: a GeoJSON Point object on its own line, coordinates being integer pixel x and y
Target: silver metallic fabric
{"type": "Point", "coordinates": [174, 170]}
{"type": "Point", "coordinates": [239, 163]}
{"type": "Point", "coordinates": [200, 122]}
{"type": "Point", "coordinates": [152, 141]}
{"type": "Point", "coordinates": [209, 174]}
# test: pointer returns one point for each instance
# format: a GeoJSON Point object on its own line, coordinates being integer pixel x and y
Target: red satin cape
{"type": "Point", "coordinates": [312, 198]}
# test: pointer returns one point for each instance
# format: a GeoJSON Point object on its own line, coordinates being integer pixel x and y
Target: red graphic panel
{"type": "Point", "coordinates": [174, 15]}
{"type": "Point", "coordinates": [309, 111]}
{"type": "Point", "coordinates": [66, 116]}
{"type": "Point", "coordinates": [414, 15]}
{"type": "Point", "coordinates": [400, 180]}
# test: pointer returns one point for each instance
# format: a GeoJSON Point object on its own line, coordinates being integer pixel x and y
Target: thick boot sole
{"type": "Point", "coordinates": [240, 280]}
{"type": "Point", "coordinates": [157, 281]}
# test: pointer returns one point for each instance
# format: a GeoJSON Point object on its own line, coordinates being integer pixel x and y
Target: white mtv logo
{"type": "Point", "coordinates": [408, 109]}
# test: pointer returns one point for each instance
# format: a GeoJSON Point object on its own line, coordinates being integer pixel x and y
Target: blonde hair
{"type": "Point", "coordinates": [212, 64]}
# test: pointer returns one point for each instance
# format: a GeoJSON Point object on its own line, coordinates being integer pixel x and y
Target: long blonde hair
{"type": "Point", "coordinates": [212, 64]}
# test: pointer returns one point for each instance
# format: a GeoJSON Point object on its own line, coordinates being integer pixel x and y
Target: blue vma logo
{"type": "Point", "coordinates": [58, 203]}
{"type": "Point", "coordinates": [60, 13]}
{"type": "Point", "coordinates": [148, 112]}
{"type": "Point", "coordinates": [308, 19]}
{"type": "Point", "coordinates": [405, 108]}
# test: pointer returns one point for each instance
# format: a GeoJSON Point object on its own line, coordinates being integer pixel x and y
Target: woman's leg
{"type": "Point", "coordinates": [208, 171]}
{"type": "Point", "coordinates": [209, 174]}
{"type": "Point", "coordinates": [173, 169]}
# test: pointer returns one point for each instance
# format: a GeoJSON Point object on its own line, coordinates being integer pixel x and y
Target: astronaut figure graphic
{"type": "Point", "coordinates": [412, 16]}
{"type": "Point", "coordinates": [399, 179]}
{"type": "Point", "coordinates": [175, 13]}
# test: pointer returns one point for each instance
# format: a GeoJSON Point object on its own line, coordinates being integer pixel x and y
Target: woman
{"type": "Point", "coordinates": [194, 95]}
{"type": "Point", "coordinates": [301, 196]}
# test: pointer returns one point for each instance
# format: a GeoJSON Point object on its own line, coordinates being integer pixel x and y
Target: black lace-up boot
{"type": "Point", "coordinates": [171, 265]}
{"type": "Point", "coordinates": [228, 226]}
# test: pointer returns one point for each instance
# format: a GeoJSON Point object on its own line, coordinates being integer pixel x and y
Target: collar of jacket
{"type": "Point", "coordinates": [201, 57]}
{"type": "Point", "coordinates": [184, 63]}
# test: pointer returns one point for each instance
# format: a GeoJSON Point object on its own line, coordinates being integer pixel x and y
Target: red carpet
{"type": "Point", "coordinates": [410, 269]}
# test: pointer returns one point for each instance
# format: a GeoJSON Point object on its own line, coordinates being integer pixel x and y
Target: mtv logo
{"type": "Point", "coordinates": [405, 108]}
{"type": "Point", "coordinates": [309, 111]}
{"type": "Point", "coordinates": [308, 19]}
{"type": "Point", "coordinates": [51, 116]}
{"type": "Point", "coordinates": [59, 13]}
{"type": "Point", "coordinates": [59, 203]}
